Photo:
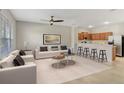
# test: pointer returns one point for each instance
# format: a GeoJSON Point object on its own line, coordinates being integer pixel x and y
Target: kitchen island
{"type": "Point", "coordinates": [110, 49]}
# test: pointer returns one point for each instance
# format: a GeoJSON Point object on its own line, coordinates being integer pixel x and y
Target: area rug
{"type": "Point", "coordinates": [46, 74]}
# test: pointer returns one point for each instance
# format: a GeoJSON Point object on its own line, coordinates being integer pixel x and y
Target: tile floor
{"type": "Point", "coordinates": [110, 76]}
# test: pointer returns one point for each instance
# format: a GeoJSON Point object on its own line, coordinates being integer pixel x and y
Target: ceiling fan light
{"type": "Point", "coordinates": [51, 23]}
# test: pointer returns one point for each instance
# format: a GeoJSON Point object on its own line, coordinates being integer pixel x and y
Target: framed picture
{"type": "Point", "coordinates": [51, 39]}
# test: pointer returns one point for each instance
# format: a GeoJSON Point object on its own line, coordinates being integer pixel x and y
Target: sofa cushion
{"type": "Point", "coordinates": [22, 52]}
{"type": "Point", "coordinates": [28, 58]}
{"type": "Point", "coordinates": [7, 62]}
{"type": "Point", "coordinates": [54, 48]}
{"type": "Point", "coordinates": [15, 52]}
{"type": "Point", "coordinates": [18, 61]}
{"type": "Point", "coordinates": [63, 47]}
{"type": "Point", "coordinates": [43, 49]}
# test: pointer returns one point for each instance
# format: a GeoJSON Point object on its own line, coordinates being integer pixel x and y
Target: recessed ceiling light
{"type": "Point", "coordinates": [107, 22]}
{"type": "Point", "coordinates": [90, 26]}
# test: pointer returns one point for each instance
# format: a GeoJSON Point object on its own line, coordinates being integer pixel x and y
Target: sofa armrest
{"type": "Point", "coordinates": [36, 54]}
{"type": "Point", "coordinates": [25, 74]}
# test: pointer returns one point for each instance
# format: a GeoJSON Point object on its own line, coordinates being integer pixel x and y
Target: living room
{"type": "Point", "coordinates": [61, 46]}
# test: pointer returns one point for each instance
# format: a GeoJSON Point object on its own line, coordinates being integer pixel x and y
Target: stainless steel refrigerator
{"type": "Point", "coordinates": [118, 41]}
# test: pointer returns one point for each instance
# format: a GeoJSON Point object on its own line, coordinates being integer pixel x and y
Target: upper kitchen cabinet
{"type": "Point", "coordinates": [103, 36]}
{"type": "Point", "coordinates": [86, 35]}
{"type": "Point", "coordinates": [80, 36]}
{"type": "Point", "coordinates": [83, 35]}
{"type": "Point", "coordinates": [108, 34]}
{"type": "Point", "coordinates": [94, 36]}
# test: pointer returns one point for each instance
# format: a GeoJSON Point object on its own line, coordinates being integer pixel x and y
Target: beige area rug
{"type": "Point", "coordinates": [83, 67]}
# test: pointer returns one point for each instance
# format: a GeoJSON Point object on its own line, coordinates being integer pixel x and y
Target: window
{"type": "Point", "coordinates": [5, 37]}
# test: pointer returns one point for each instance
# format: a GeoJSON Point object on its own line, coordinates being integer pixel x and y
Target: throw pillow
{"type": "Point", "coordinates": [22, 53]}
{"type": "Point", "coordinates": [18, 61]}
{"type": "Point", "coordinates": [15, 52]}
{"type": "Point", "coordinates": [54, 48]}
{"type": "Point", "coordinates": [1, 67]}
{"type": "Point", "coordinates": [7, 62]}
{"type": "Point", "coordinates": [63, 47]}
{"type": "Point", "coordinates": [43, 49]}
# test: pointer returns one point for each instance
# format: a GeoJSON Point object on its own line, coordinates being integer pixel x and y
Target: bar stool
{"type": "Point", "coordinates": [86, 52]}
{"type": "Point", "coordinates": [102, 56]}
{"type": "Point", "coordinates": [82, 52]}
{"type": "Point", "coordinates": [94, 54]}
{"type": "Point", "coordinates": [79, 51]}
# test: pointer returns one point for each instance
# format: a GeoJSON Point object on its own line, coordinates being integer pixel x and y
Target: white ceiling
{"type": "Point", "coordinates": [78, 17]}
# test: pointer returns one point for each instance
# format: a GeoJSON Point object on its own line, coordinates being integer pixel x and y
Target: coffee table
{"type": "Point", "coordinates": [65, 62]}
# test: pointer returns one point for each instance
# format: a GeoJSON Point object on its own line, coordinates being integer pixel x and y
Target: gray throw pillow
{"type": "Point", "coordinates": [18, 61]}
{"type": "Point", "coordinates": [63, 47]}
{"type": "Point", "coordinates": [54, 48]}
{"type": "Point", "coordinates": [43, 49]}
{"type": "Point", "coordinates": [1, 67]}
{"type": "Point", "coordinates": [22, 53]}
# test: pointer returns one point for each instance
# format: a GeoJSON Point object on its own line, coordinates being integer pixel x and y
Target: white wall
{"type": "Point", "coordinates": [33, 34]}
{"type": "Point", "coordinates": [12, 21]}
{"type": "Point", "coordinates": [117, 29]}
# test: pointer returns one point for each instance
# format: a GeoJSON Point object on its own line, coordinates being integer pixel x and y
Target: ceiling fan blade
{"type": "Point", "coordinates": [58, 20]}
{"type": "Point", "coordinates": [51, 21]}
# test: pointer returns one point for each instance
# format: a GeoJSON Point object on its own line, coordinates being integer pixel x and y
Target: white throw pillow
{"type": "Point", "coordinates": [7, 62]}
{"type": "Point", "coordinates": [15, 52]}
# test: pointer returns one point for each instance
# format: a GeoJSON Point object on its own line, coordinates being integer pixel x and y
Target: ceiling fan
{"type": "Point", "coordinates": [52, 21]}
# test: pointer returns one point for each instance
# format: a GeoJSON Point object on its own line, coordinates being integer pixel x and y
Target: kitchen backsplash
{"type": "Point", "coordinates": [97, 41]}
